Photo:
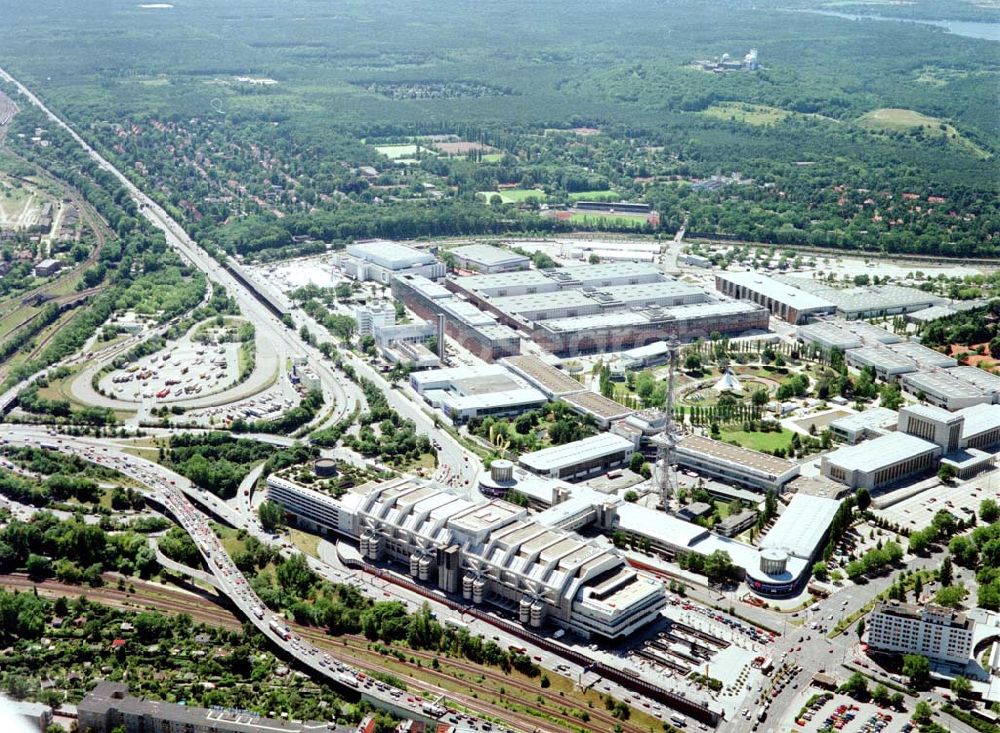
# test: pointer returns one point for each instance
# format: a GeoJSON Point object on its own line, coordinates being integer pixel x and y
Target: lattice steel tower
{"type": "Point", "coordinates": [666, 479]}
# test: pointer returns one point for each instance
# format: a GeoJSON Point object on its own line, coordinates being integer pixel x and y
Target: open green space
{"type": "Point", "coordinates": [908, 120]}
{"type": "Point", "coordinates": [751, 114]}
{"type": "Point", "coordinates": [759, 441]}
{"type": "Point", "coordinates": [514, 195]}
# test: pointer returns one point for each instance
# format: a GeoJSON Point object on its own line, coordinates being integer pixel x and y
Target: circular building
{"type": "Point", "coordinates": [324, 467]}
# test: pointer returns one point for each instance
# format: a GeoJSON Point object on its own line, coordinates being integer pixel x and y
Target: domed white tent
{"type": "Point", "coordinates": [729, 383]}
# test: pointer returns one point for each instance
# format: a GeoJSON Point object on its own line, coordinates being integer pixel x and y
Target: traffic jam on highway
{"type": "Point", "coordinates": [232, 581]}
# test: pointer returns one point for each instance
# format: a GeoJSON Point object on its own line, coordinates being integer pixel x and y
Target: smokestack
{"type": "Point", "coordinates": [441, 336]}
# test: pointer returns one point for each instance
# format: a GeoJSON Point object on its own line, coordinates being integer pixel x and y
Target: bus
{"type": "Point", "coordinates": [677, 719]}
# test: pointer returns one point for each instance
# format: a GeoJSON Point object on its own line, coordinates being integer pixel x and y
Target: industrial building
{"type": "Point", "coordinates": [979, 378]}
{"type": "Point", "coordinates": [941, 388]}
{"type": "Point", "coordinates": [789, 303]}
{"type": "Point", "coordinates": [844, 335]}
{"type": "Point", "coordinates": [487, 259]}
{"type": "Point", "coordinates": [473, 329]}
{"type": "Point", "coordinates": [876, 463]}
{"type": "Point", "coordinates": [612, 251]}
{"type": "Point", "coordinates": [551, 380]}
{"type": "Point", "coordinates": [484, 287]}
{"type": "Point", "coordinates": [732, 464]}
{"type": "Point", "coordinates": [797, 299]}
{"type": "Point", "coordinates": [580, 459]}
{"type": "Point", "coordinates": [888, 365]}
{"type": "Point", "coordinates": [828, 335]}
{"type": "Point", "coordinates": [871, 423]}
{"type": "Point", "coordinates": [604, 410]}
{"type": "Point", "coordinates": [922, 356]}
{"type": "Point", "coordinates": [109, 706]}
{"type": "Point", "coordinates": [622, 330]}
{"type": "Point", "coordinates": [47, 267]}
{"type": "Point", "coordinates": [938, 633]}
{"type": "Point", "coordinates": [869, 301]}
{"type": "Point", "coordinates": [381, 260]}
{"type": "Point", "coordinates": [463, 393]}
{"type": "Point", "coordinates": [490, 551]}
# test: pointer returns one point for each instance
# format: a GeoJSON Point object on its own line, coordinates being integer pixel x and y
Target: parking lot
{"type": "Point", "coordinates": [183, 369]}
{"type": "Point", "coordinates": [961, 499]}
{"type": "Point", "coordinates": [841, 713]}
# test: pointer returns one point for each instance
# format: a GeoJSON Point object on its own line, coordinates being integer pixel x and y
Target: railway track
{"type": "Point", "coordinates": [423, 678]}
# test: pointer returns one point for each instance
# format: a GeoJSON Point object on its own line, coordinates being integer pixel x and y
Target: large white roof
{"type": "Point", "coordinates": [802, 525]}
{"type": "Point", "coordinates": [560, 456]}
{"type": "Point", "coordinates": [886, 450]}
{"type": "Point", "coordinates": [779, 291]}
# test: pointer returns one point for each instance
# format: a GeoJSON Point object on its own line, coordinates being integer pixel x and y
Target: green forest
{"type": "Point", "coordinates": [266, 130]}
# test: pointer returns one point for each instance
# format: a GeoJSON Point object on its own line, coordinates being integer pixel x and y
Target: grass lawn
{"type": "Point", "coordinates": [903, 120]}
{"type": "Point", "coordinates": [307, 543]}
{"type": "Point", "coordinates": [750, 114]}
{"type": "Point", "coordinates": [492, 157]}
{"type": "Point", "coordinates": [228, 537]}
{"type": "Point", "coordinates": [759, 441]}
{"type": "Point", "coordinates": [514, 195]}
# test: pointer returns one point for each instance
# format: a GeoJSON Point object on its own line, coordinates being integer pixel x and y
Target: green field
{"type": "Point", "coordinates": [750, 114]}
{"type": "Point", "coordinates": [890, 119]}
{"type": "Point", "coordinates": [514, 195]}
{"type": "Point", "coordinates": [766, 442]}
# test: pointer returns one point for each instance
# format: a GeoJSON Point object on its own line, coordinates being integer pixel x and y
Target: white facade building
{"type": "Point", "coordinates": [938, 633]}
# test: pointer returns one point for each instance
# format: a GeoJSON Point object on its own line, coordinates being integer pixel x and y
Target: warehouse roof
{"type": "Point", "coordinates": [871, 333]}
{"type": "Point", "coordinates": [885, 450]}
{"type": "Point", "coordinates": [491, 284]}
{"type": "Point", "coordinates": [868, 298]}
{"type": "Point", "coordinates": [979, 419]}
{"type": "Point", "coordinates": [652, 523]}
{"type": "Point", "coordinates": [597, 405]}
{"type": "Point", "coordinates": [761, 463]}
{"type": "Point", "coordinates": [922, 355]}
{"type": "Point", "coordinates": [532, 302]}
{"type": "Point", "coordinates": [649, 292]}
{"type": "Point", "coordinates": [390, 254]}
{"type": "Point", "coordinates": [488, 255]}
{"type": "Point", "coordinates": [932, 314]}
{"type": "Point", "coordinates": [791, 295]}
{"type": "Point", "coordinates": [874, 418]}
{"type": "Point", "coordinates": [802, 526]}
{"type": "Point", "coordinates": [549, 379]}
{"type": "Point", "coordinates": [942, 383]}
{"type": "Point", "coordinates": [561, 456]}
{"type": "Point", "coordinates": [978, 377]}
{"type": "Point", "coordinates": [828, 333]}
{"type": "Point", "coordinates": [879, 358]}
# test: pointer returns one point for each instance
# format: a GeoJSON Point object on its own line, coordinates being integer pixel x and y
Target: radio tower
{"type": "Point", "coordinates": [671, 434]}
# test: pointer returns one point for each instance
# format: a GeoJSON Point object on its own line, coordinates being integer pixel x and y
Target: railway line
{"type": "Point", "coordinates": [423, 677]}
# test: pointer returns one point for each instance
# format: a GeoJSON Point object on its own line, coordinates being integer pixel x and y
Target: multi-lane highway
{"type": "Point", "coordinates": [168, 489]}
{"type": "Point", "coordinates": [286, 342]}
